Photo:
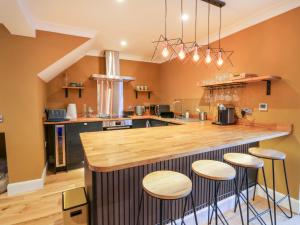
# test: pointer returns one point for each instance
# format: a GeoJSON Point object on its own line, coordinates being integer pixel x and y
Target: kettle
{"type": "Point", "coordinates": [71, 112]}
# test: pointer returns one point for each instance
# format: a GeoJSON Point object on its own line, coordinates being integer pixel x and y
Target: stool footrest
{"type": "Point", "coordinates": [254, 211]}
{"type": "Point", "coordinates": [221, 217]}
{"type": "Point", "coordinates": [259, 215]}
{"type": "Point", "coordinates": [278, 201]}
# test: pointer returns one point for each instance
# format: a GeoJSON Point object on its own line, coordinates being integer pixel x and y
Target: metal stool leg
{"type": "Point", "coordinates": [209, 203]}
{"type": "Point", "coordinates": [161, 212]}
{"type": "Point", "coordinates": [254, 192]}
{"type": "Point", "coordinates": [241, 188]}
{"type": "Point", "coordinates": [216, 203]}
{"type": "Point", "coordinates": [268, 197]}
{"type": "Point", "coordinates": [274, 190]}
{"type": "Point", "coordinates": [194, 209]}
{"type": "Point", "coordinates": [247, 194]}
{"type": "Point", "coordinates": [288, 191]}
{"type": "Point", "coordinates": [237, 193]}
{"type": "Point", "coordinates": [140, 207]}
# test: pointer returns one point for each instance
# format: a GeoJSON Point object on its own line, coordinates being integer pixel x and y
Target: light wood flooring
{"type": "Point", "coordinates": [43, 207]}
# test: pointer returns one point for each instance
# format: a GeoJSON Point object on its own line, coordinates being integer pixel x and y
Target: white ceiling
{"type": "Point", "coordinates": [139, 22]}
{"type": "Point", "coordinates": [15, 19]}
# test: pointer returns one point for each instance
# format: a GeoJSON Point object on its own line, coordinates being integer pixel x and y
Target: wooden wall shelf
{"type": "Point", "coordinates": [232, 83]}
{"type": "Point", "coordinates": [144, 91]}
{"type": "Point", "coordinates": [67, 88]}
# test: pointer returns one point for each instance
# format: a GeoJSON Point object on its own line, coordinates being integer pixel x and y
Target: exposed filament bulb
{"type": "Point", "coordinates": [207, 57]}
{"type": "Point", "coordinates": [196, 56]}
{"type": "Point", "coordinates": [181, 53]}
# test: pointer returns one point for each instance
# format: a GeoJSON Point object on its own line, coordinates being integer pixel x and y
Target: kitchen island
{"type": "Point", "coordinates": [116, 162]}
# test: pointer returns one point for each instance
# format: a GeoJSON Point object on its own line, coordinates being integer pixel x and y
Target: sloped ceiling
{"type": "Point", "coordinates": [15, 19]}
{"type": "Point", "coordinates": [139, 22]}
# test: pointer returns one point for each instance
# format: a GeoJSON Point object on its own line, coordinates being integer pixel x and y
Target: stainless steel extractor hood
{"type": "Point", "coordinates": [110, 87]}
{"type": "Point", "coordinates": [112, 62]}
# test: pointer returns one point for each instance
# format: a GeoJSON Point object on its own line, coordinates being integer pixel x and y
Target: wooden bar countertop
{"type": "Point", "coordinates": [121, 149]}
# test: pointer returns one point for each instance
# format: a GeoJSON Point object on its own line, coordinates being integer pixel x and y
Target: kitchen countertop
{"type": "Point", "coordinates": [121, 149]}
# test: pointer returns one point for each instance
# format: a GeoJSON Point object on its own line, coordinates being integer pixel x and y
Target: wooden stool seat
{"type": "Point", "coordinates": [267, 153]}
{"type": "Point", "coordinates": [213, 170]}
{"type": "Point", "coordinates": [243, 160]}
{"type": "Point", "coordinates": [167, 185]}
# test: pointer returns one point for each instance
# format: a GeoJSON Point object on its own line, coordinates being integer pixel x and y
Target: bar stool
{"type": "Point", "coordinates": [217, 172]}
{"type": "Point", "coordinates": [273, 155]}
{"type": "Point", "coordinates": [247, 162]}
{"type": "Point", "coordinates": [167, 185]}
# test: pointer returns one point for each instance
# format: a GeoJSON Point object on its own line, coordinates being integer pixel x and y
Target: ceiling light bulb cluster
{"type": "Point", "coordinates": [170, 48]}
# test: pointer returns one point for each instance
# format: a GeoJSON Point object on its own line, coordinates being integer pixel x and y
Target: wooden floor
{"type": "Point", "coordinates": [43, 207]}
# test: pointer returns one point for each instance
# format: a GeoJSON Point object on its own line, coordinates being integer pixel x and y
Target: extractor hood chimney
{"type": "Point", "coordinates": [112, 68]}
{"type": "Point", "coordinates": [110, 87]}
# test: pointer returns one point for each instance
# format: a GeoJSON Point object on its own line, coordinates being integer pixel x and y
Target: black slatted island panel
{"type": "Point", "coordinates": [114, 195]}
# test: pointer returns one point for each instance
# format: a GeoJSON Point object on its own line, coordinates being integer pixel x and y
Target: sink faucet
{"type": "Point", "coordinates": [174, 104]}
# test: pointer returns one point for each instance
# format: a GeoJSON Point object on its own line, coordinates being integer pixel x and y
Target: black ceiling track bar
{"type": "Point", "coordinates": [217, 3]}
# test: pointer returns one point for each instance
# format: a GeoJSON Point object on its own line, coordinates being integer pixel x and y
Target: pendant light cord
{"type": "Point", "coordinates": [196, 15]}
{"type": "Point", "coordinates": [166, 11]}
{"type": "Point", "coordinates": [220, 28]}
{"type": "Point", "coordinates": [208, 19]}
{"type": "Point", "coordinates": [181, 20]}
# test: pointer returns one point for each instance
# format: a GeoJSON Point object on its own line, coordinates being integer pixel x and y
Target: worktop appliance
{"type": "Point", "coordinates": [161, 110]}
{"type": "Point", "coordinates": [226, 115]}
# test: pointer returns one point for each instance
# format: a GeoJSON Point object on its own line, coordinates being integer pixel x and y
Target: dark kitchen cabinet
{"type": "Point", "coordinates": [74, 149]}
{"type": "Point", "coordinates": [158, 123]}
{"type": "Point", "coordinates": [139, 123]}
{"type": "Point", "coordinates": [153, 123]}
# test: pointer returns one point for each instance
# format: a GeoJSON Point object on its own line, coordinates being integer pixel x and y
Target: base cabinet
{"type": "Point", "coordinates": [64, 149]}
{"type": "Point", "coordinates": [74, 150]}
{"type": "Point", "coordinates": [142, 123]}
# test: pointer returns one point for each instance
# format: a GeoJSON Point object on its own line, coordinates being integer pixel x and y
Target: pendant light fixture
{"type": "Point", "coordinates": [208, 58]}
{"type": "Point", "coordinates": [167, 48]}
{"type": "Point", "coordinates": [181, 54]}
{"type": "Point", "coordinates": [165, 51]}
{"type": "Point", "coordinates": [196, 47]}
{"type": "Point", "coordinates": [220, 59]}
{"type": "Point", "coordinates": [220, 53]}
{"type": "Point", "coordinates": [163, 42]}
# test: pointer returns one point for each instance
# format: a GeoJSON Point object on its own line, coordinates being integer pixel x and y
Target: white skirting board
{"type": "Point", "coordinates": [285, 204]}
{"type": "Point", "coordinates": [27, 186]}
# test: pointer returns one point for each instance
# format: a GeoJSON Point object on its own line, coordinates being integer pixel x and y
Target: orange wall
{"type": "Point", "coordinates": [23, 97]}
{"type": "Point", "coordinates": [145, 73]}
{"type": "Point", "coordinates": [271, 47]}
